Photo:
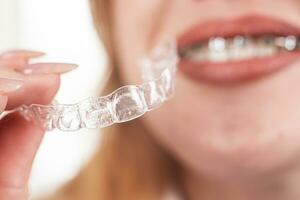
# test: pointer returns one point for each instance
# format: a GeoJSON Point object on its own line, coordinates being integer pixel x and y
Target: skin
{"type": "Point", "coordinates": [20, 139]}
{"type": "Point", "coordinates": [237, 142]}
{"type": "Point", "coordinates": [233, 143]}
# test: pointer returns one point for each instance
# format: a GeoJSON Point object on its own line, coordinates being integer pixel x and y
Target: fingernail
{"type": "Point", "coordinates": [10, 81]}
{"type": "Point", "coordinates": [48, 68]}
{"type": "Point", "coordinates": [22, 53]}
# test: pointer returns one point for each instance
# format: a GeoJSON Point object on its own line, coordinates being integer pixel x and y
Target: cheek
{"type": "Point", "coordinates": [227, 132]}
{"type": "Point", "coordinates": [134, 22]}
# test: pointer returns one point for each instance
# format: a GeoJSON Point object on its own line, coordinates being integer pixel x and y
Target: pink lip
{"type": "Point", "coordinates": [237, 71]}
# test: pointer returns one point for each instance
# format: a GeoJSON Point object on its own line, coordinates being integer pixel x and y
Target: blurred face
{"type": "Point", "coordinates": [236, 106]}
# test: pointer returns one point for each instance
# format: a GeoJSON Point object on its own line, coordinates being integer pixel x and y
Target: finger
{"type": "Point", "coordinates": [10, 81]}
{"type": "Point", "coordinates": [18, 59]}
{"type": "Point", "coordinates": [3, 102]}
{"type": "Point", "coordinates": [37, 89]}
{"type": "Point", "coordinates": [41, 84]}
{"type": "Point", "coordinates": [21, 54]}
{"type": "Point", "coordinates": [48, 68]}
{"type": "Point", "coordinates": [16, 63]}
{"type": "Point", "coordinates": [19, 141]}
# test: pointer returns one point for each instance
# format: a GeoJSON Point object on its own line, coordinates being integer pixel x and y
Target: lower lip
{"type": "Point", "coordinates": [237, 71]}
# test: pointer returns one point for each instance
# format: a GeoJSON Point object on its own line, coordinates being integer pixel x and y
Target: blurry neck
{"type": "Point", "coordinates": [283, 186]}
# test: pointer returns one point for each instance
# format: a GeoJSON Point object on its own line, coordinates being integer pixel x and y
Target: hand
{"type": "Point", "coordinates": [22, 83]}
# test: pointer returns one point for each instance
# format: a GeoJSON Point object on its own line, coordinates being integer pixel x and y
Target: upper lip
{"type": "Point", "coordinates": [247, 25]}
{"type": "Point", "coordinates": [231, 72]}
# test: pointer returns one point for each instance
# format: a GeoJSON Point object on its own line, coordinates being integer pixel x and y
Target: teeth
{"type": "Point", "coordinates": [290, 43]}
{"type": "Point", "coordinates": [219, 49]}
{"type": "Point", "coordinates": [217, 44]}
{"type": "Point", "coordinates": [239, 41]}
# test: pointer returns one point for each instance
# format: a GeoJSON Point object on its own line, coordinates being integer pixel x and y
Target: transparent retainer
{"type": "Point", "coordinates": [124, 104]}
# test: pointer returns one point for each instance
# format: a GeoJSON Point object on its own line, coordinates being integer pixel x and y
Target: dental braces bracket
{"type": "Point", "coordinates": [124, 104]}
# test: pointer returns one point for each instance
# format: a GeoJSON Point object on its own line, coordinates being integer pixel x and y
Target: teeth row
{"type": "Point", "coordinates": [219, 49]}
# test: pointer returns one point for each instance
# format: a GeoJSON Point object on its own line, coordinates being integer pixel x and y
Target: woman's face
{"type": "Point", "coordinates": [236, 111]}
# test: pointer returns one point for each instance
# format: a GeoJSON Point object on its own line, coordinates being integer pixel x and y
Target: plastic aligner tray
{"type": "Point", "coordinates": [122, 105]}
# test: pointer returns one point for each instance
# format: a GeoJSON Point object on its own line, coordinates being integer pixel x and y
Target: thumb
{"type": "Point", "coordinates": [10, 81]}
{"type": "Point", "coordinates": [19, 142]}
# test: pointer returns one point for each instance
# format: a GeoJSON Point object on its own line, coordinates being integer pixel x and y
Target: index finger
{"type": "Point", "coordinates": [3, 102]}
{"type": "Point", "coordinates": [10, 81]}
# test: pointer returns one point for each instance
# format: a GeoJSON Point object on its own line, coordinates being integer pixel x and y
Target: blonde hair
{"type": "Point", "coordinates": [130, 165]}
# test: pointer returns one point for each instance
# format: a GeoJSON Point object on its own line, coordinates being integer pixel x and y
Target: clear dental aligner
{"type": "Point", "coordinates": [219, 49]}
{"type": "Point", "coordinates": [122, 105]}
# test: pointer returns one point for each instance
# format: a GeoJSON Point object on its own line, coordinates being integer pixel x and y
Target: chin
{"type": "Point", "coordinates": [237, 132]}
{"type": "Point", "coordinates": [241, 154]}
{"type": "Point", "coordinates": [242, 159]}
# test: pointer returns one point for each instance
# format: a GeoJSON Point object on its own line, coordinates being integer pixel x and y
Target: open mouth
{"type": "Point", "coordinates": [230, 51]}
{"type": "Point", "coordinates": [239, 48]}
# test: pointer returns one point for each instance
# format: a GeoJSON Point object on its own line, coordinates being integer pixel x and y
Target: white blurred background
{"type": "Point", "coordinates": [63, 29]}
